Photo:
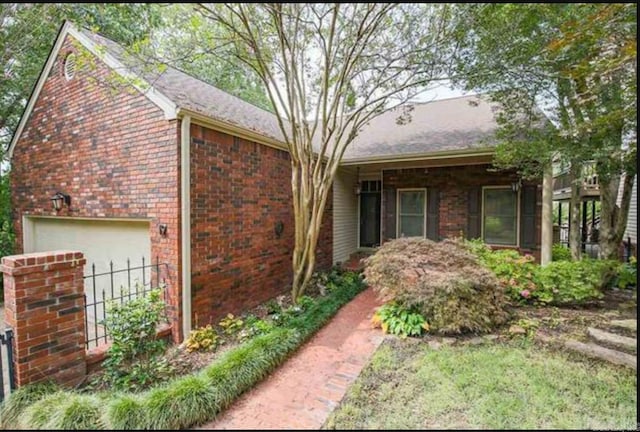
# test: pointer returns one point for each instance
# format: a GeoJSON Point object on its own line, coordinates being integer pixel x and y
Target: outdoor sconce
{"type": "Point", "coordinates": [279, 228]}
{"type": "Point", "coordinates": [515, 186]}
{"type": "Point", "coordinates": [163, 229]}
{"type": "Point", "coordinates": [59, 199]}
{"type": "Point", "coordinates": [356, 189]}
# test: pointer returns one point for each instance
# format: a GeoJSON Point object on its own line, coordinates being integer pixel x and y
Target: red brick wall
{"type": "Point", "coordinates": [453, 184]}
{"type": "Point", "coordinates": [112, 151]}
{"type": "Point", "coordinates": [239, 191]}
{"type": "Point", "coordinates": [44, 305]}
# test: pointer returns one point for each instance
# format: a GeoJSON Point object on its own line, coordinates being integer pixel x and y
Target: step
{"type": "Point", "coordinates": [599, 352]}
{"type": "Point", "coordinates": [628, 324]}
{"type": "Point", "coordinates": [612, 339]}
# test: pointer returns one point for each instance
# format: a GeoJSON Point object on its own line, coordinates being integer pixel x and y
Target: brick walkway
{"type": "Point", "coordinates": [302, 393]}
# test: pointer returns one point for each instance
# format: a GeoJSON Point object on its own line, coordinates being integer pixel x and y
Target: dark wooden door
{"type": "Point", "coordinates": [369, 219]}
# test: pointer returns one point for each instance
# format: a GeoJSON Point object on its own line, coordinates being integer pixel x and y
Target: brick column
{"type": "Point", "coordinates": [44, 305]}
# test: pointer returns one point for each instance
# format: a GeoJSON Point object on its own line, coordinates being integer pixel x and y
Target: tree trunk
{"type": "Point", "coordinates": [308, 224]}
{"type": "Point", "coordinates": [613, 218]}
{"type": "Point", "coordinates": [575, 233]}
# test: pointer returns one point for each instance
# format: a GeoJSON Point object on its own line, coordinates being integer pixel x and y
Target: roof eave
{"type": "Point", "coordinates": [231, 129]}
{"type": "Point", "coordinates": [486, 151]}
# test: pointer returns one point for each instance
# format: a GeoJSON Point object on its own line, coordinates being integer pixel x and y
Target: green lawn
{"type": "Point", "coordinates": [407, 385]}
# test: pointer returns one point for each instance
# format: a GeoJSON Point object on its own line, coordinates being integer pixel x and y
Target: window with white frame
{"type": "Point", "coordinates": [500, 216]}
{"type": "Point", "coordinates": [411, 212]}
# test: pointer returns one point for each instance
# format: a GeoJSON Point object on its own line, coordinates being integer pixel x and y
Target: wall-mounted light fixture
{"type": "Point", "coordinates": [515, 186]}
{"type": "Point", "coordinates": [60, 199]}
{"type": "Point", "coordinates": [357, 189]}
{"type": "Point", "coordinates": [163, 229]}
{"type": "Point", "coordinates": [278, 228]}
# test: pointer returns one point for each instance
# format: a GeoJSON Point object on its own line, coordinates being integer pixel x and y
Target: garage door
{"type": "Point", "coordinates": [102, 242]}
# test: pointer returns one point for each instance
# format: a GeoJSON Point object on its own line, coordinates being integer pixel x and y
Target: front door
{"type": "Point", "coordinates": [370, 215]}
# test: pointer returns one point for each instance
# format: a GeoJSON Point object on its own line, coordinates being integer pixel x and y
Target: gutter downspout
{"type": "Point", "coordinates": [185, 211]}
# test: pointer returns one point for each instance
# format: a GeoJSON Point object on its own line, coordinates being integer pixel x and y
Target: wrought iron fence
{"type": "Point", "coordinates": [115, 285]}
{"type": "Point", "coordinates": [7, 377]}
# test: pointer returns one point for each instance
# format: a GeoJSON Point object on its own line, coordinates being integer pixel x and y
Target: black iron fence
{"type": "Point", "coordinates": [7, 377]}
{"type": "Point", "coordinates": [115, 285]}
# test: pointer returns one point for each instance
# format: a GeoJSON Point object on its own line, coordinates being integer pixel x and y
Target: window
{"type": "Point", "coordinates": [500, 216]}
{"type": "Point", "coordinates": [411, 212]}
{"type": "Point", "coordinates": [70, 66]}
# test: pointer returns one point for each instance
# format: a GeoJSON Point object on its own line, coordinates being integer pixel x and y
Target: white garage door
{"type": "Point", "coordinates": [101, 242]}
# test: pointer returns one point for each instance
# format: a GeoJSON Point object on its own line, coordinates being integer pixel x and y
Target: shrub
{"type": "Point", "coordinates": [559, 282]}
{"type": "Point", "coordinates": [443, 281]}
{"type": "Point", "coordinates": [134, 361]}
{"type": "Point", "coordinates": [202, 339]}
{"type": "Point", "coordinates": [564, 282]}
{"type": "Point", "coordinates": [560, 253]}
{"type": "Point", "coordinates": [627, 274]}
{"type": "Point", "coordinates": [230, 324]}
{"type": "Point", "coordinates": [397, 320]}
{"type": "Point", "coordinates": [255, 327]}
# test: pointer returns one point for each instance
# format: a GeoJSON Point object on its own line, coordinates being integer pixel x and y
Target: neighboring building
{"type": "Point", "coordinates": [184, 173]}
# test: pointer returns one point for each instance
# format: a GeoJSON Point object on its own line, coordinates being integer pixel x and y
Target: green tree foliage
{"type": "Point", "coordinates": [578, 60]}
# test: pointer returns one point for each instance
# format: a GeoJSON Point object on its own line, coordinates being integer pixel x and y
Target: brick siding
{"type": "Point", "coordinates": [112, 151]}
{"type": "Point", "coordinates": [239, 191]}
{"type": "Point", "coordinates": [453, 185]}
{"type": "Point", "coordinates": [44, 305]}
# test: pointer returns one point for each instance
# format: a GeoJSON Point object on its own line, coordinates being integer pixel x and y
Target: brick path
{"type": "Point", "coordinates": [302, 393]}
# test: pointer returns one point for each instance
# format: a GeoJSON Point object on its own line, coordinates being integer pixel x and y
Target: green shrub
{"type": "Point", "coordinates": [202, 339]}
{"type": "Point", "coordinates": [134, 360]}
{"type": "Point", "coordinates": [560, 253]}
{"type": "Point", "coordinates": [396, 319]}
{"type": "Point", "coordinates": [255, 327]}
{"type": "Point", "coordinates": [564, 282]}
{"type": "Point", "coordinates": [627, 274]}
{"type": "Point", "coordinates": [559, 282]}
{"type": "Point", "coordinates": [231, 324]}
{"type": "Point", "coordinates": [444, 281]}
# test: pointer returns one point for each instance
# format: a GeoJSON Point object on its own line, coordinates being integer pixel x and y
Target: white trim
{"type": "Point", "coordinates": [419, 156]}
{"type": "Point", "coordinates": [163, 102]}
{"type": "Point", "coordinates": [29, 220]}
{"type": "Point", "coordinates": [89, 218]}
{"type": "Point", "coordinates": [232, 129]}
{"type": "Point", "coordinates": [424, 225]}
{"type": "Point", "coordinates": [517, 245]}
{"type": "Point", "coordinates": [185, 231]}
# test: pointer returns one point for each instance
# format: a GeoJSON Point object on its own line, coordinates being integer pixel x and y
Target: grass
{"type": "Point", "coordinates": [182, 402]}
{"type": "Point", "coordinates": [407, 385]}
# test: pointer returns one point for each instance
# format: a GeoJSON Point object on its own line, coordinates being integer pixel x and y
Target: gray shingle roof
{"type": "Point", "coordinates": [460, 123]}
{"type": "Point", "coordinates": [445, 125]}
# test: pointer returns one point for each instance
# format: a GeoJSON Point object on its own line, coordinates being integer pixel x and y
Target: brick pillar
{"type": "Point", "coordinates": [44, 305]}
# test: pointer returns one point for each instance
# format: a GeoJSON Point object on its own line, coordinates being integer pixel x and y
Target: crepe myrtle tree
{"type": "Point", "coordinates": [329, 69]}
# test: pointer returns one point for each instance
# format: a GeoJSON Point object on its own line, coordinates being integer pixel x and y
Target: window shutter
{"type": "Point", "coordinates": [528, 217]}
{"type": "Point", "coordinates": [389, 213]}
{"type": "Point", "coordinates": [474, 217]}
{"type": "Point", "coordinates": [433, 210]}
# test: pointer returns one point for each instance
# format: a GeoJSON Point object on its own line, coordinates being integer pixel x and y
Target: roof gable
{"type": "Point", "coordinates": [164, 103]}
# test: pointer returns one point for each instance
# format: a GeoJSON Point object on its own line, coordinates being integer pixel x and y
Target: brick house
{"type": "Point", "coordinates": [183, 173]}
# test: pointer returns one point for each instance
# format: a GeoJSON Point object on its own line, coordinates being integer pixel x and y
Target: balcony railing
{"type": "Point", "coordinates": [588, 186]}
